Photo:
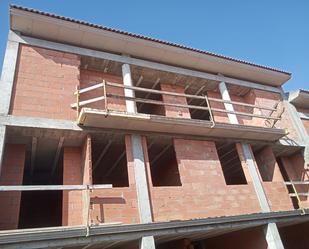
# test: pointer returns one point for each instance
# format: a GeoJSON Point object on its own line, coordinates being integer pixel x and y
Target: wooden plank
{"type": "Point", "coordinates": [156, 102]}
{"type": "Point", "coordinates": [85, 102]}
{"type": "Point", "coordinates": [142, 89]}
{"type": "Point", "coordinates": [297, 183]}
{"type": "Point", "coordinates": [54, 187]}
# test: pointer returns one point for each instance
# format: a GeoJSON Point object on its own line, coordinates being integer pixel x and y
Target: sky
{"type": "Point", "coordinates": [274, 33]}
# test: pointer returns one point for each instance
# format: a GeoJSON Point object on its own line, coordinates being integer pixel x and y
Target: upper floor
{"type": "Point", "coordinates": [76, 71]}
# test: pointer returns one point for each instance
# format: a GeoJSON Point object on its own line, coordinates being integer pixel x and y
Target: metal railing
{"type": "Point", "coordinates": [296, 194]}
{"type": "Point", "coordinates": [106, 95]}
{"type": "Point", "coordinates": [84, 187]}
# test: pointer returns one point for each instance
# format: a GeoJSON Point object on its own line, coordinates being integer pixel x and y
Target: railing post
{"type": "Point", "coordinates": [77, 101]}
{"type": "Point", "coordinates": [105, 96]}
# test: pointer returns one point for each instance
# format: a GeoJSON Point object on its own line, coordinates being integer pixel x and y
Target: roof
{"type": "Point", "coordinates": [300, 98]}
{"type": "Point", "coordinates": [64, 30]}
{"type": "Point", "coordinates": [145, 38]}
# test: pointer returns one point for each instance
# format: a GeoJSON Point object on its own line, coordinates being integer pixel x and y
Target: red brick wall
{"type": "Point", "coordinates": [203, 192]}
{"type": "Point", "coordinates": [275, 190]}
{"type": "Point", "coordinates": [171, 111]}
{"type": "Point", "coordinates": [12, 172]}
{"type": "Point", "coordinates": [72, 205]}
{"type": "Point", "coordinates": [273, 183]}
{"type": "Point", "coordinates": [118, 204]}
{"type": "Point", "coordinates": [253, 239]}
{"type": "Point", "coordinates": [76, 170]}
{"type": "Point", "coordinates": [267, 165]}
{"type": "Point", "coordinates": [90, 78]}
{"type": "Point", "coordinates": [44, 84]}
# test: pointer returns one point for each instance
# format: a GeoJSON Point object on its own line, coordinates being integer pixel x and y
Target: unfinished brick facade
{"type": "Point", "coordinates": [11, 174]}
{"type": "Point", "coordinates": [142, 154]}
{"type": "Point", "coordinates": [44, 83]}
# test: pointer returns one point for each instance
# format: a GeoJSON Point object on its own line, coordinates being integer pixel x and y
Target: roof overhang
{"type": "Point", "coordinates": [60, 29]}
{"type": "Point", "coordinates": [300, 98]}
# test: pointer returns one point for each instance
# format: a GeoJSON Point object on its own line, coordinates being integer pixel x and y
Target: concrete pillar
{"type": "Point", "coordinates": [7, 76]}
{"type": "Point", "coordinates": [271, 231]}
{"type": "Point", "coordinates": [273, 237]}
{"type": "Point", "coordinates": [140, 173]}
{"type": "Point", "coordinates": [229, 107]}
{"type": "Point", "coordinates": [141, 180]}
{"type": "Point", "coordinates": [300, 129]}
{"type": "Point", "coordinates": [127, 81]}
{"type": "Point", "coordinates": [6, 86]}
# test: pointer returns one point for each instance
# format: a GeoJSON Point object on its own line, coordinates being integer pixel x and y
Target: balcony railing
{"type": "Point", "coordinates": [269, 120]}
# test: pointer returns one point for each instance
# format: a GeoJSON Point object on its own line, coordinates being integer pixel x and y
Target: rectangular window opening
{"type": "Point", "coordinates": [163, 162]}
{"type": "Point", "coordinates": [109, 161]}
{"type": "Point", "coordinates": [148, 108]}
{"type": "Point", "coordinates": [42, 167]}
{"type": "Point", "coordinates": [287, 179]}
{"type": "Point", "coordinates": [231, 164]}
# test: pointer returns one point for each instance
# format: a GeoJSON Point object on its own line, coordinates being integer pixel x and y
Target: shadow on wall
{"type": "Point", "coordinates": [102, 201]}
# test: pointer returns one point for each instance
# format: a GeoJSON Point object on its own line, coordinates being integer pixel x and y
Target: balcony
{"type": "Point", "coordinates": [171, 109]}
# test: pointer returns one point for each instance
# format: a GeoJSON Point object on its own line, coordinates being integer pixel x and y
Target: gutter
{"type": "Point", "coordinates": [77, 235]}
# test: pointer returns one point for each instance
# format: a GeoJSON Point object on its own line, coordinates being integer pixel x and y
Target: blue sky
{"type": "Point", "coordinates": [273, 33]}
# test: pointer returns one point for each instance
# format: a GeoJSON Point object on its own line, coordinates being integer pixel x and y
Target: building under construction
{"type": "Point", "coordinates": [110, 139]}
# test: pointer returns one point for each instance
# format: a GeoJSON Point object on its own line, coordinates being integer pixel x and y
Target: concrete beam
{"type": "Point", "coordinates": [52, 237]}
{"type": "Point", "coordinates": [8, 75]}
{"type": "Point", "coordinates": [137, 62]}
{"type": "Point", "coordinates": [32, 122]}
{"type": "Point", "coordinates": [57, 155]}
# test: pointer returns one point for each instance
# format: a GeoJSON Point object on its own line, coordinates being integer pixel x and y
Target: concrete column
{"type": "Point", "coordinates": [273, 237]}
{"type": "Point", "coordinates": [127, 81]}
{"type": "Point", "coordinates": [300, 129]}
{"type": "Point", "coordinates": [229, 107]}
{"type": "Point", "coordinates": [7, 76]}
{"type": "Point", "coordinates": [147, 242]}
{"type": "Point", "coordinates": [253, 171]}
{"type": "Point", "coordinates": [140, 173]}
{"type": "Point", "coordinates": [6, 86]}
{"type": "Point", "coordinates": [271, 231]}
